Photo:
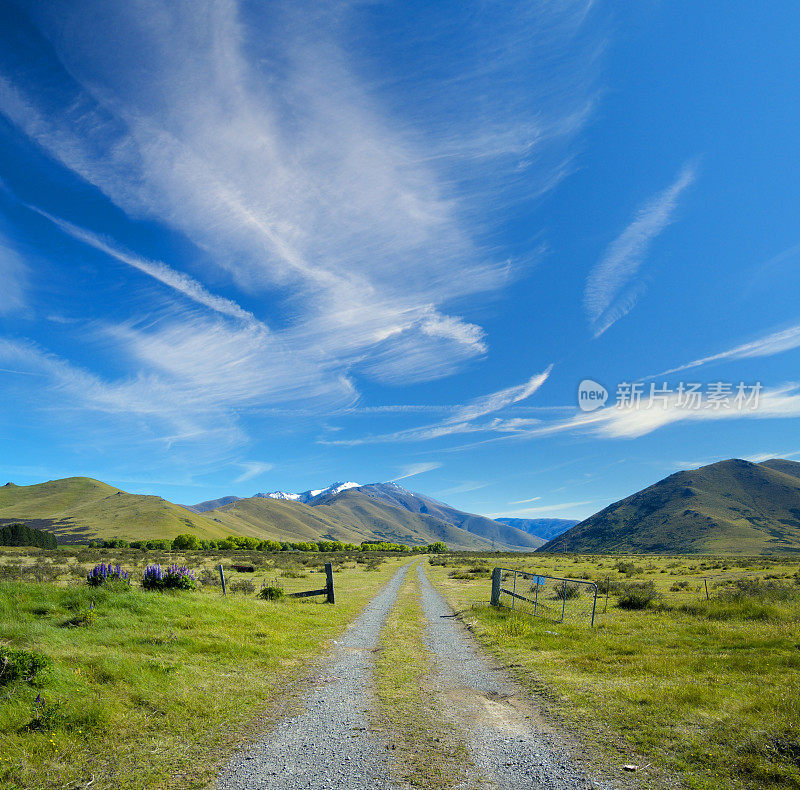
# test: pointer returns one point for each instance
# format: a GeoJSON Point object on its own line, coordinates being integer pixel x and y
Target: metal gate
{"type": "Point", "coordinates": [550, 597]}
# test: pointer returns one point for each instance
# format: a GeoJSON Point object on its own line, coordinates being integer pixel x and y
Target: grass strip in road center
{"type": "Point", "coordinates": [427, 751]}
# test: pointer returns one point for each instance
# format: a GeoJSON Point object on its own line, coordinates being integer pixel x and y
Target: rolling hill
{"type": "Point", "coordinates": [730, 507]}
{"type": "Point", "coordinates": [77, 509]}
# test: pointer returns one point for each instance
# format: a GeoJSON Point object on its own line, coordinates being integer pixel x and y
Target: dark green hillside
{"type": "Point", "coordinates": [730, 507]}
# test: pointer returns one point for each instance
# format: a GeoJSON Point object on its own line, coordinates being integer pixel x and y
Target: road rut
{"type": "Point", "coordinates": [329, 744]}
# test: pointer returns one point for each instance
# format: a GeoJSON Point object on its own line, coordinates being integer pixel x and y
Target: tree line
{"type": "Point", "coordinates": [188, 542]}
{"type": "Point", "coordinates": [23, 535]}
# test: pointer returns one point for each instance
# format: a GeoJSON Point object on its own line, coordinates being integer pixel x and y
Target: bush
{"type": "Point", "coordinates": [20, 665]}
{"type": "Point", "coordinates": [568, 592]}
{"type": "Point", "coordinates": [291, 573]}
{"type": "Point", "coordinates": [272, 593]}
{"type": "Point", "coordinates": [171, 578]}
{"type": "Point", "coordinates": [742, 589]}
{"type": "Point", "coordinates": [628, 568]}
{"type": "Point", "coordinates": [186, 542]}
{"type": "Point", "coordinates": [243, 586]}
{"type": "Point", "coordinates": [102, 574]}
{"type": "Point", "coordinates": [638, 595]}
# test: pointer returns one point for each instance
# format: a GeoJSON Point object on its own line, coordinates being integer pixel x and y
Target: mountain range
{"type": "Point", "coordinates": [545, 528]}
{"type": "Point", "coordinates": [80, 509]}
{"type": "Point", "coordinates": [729, 507]}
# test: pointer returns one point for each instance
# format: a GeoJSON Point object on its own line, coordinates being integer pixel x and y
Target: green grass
{"type": "Point", "coordinates": [426, 752]}
{"type": "Point", "coordinates": [706, 691]}
{"type": "Point", "coordinates": [150, 690]}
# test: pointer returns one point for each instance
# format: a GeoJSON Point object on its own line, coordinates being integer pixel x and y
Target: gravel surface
{"type": "Point", "coordinates": [329, 744]}
{"type": "Point", "coordinates": [506, 741]}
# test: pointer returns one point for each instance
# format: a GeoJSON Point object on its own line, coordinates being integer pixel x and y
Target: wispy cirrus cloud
{"type": "Point", "coordinates": [252, 469]}
{"type": "Point", "coordinates": [262, 143]}
{"type": "Point", "coordinates": [555, 510]}
{"type": "Point", "coordinates": [465, 418]}
{"type": "Point", "coordinates": [610, 291]}
{"type": "Point", "coordinates": [766, 346]}
{"type": "Point", "coordinates": [630, 422]}
{"type": "Point", "coordinates": [177, 281]}
{"type": "Point", "coordinates": [417, 469]}
{"type": "Point", "coordinates": [13, 276]}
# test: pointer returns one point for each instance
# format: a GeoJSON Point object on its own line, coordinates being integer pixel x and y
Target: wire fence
{"type": "Point", "coordinates": [552, 598]}
{"type": "Point", "coordinates": [687, 590]}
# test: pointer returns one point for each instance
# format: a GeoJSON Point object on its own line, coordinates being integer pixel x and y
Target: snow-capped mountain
{"type": "Point", "coordinates": [307, 496]}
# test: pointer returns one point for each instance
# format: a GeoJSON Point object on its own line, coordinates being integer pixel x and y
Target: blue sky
{"type": "Point", "coordinates": [257, 246]}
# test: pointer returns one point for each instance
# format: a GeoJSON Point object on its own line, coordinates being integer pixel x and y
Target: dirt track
{"type": "Point", "coordinates": [330, 744]}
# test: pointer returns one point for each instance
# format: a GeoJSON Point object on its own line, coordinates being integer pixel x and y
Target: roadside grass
{"type": "Point", "coordinates": [427, 751]}
{"type": "Point", "coordinates": [148, 689]}
{"type": "Point", "coordinates": [707, 691]}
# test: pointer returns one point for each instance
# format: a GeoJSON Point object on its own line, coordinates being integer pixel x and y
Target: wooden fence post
{"type": "Point", "coordinates": [329, 585]}
{"type": "Point", "coordinates": [495, 599]}
{"type": "Point", "coordinates": [222, 579]}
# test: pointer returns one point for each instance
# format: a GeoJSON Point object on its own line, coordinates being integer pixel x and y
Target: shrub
{"type": "Point", "coordinates": [186, 542]}
{"type": "Point", "coordinates": [568, 592]}
{"type": "Point", "coordinates": [20, 664]}
{"type": "Point", "coordinates": [243, 586]}
{"type": "Point", "coordinates": [290, 573]}
{"type": "Point", "coordinates": [272, 592]}
{"type": "Point", "coordinates": [101, 574]}
{"type": "Point", "coordinates": [742, 589]}
{"type": "Point", "coordinates": [171, 578]}
{"type": "Point", "coordinates": [638, 595]}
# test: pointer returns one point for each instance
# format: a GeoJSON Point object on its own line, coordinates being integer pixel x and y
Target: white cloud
{"type": "Point", "coordinates": [417, 469]}
{"type": "Point", "coordinates": [251, 130]}
{"type": "Point", "coordinates": [631, 422]}
{"type": "Point", "coordinates": [525, 501]}
{"type": "Point", "coordinates": [252, 469]}
{"type": "Point", "coordinates": [177, 281]}
{"type": "Point", "coordinates": [14, 277]}
{"type": "Point", "coordinates": [767, 346]}
{"type": "Point", "coordinates": [550, 510]}
{"type": "Point", "coordinates": [463, 419]}
{"type": "Point", "coordinates": [610, 293]}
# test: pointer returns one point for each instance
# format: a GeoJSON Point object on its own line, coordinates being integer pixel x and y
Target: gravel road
{"type": "Point", "coordinates": [329, 744]}
{"type": "Point", "coordinates": [506, 741]}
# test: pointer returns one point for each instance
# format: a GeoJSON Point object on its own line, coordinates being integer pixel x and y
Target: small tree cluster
{"type": "Point", "coordinates": [23, 535]}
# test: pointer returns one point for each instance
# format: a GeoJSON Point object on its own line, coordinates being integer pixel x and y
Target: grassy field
{"type": "Point", "coordinates": [147, 689]}
{"type": "Point", "coordinates": [700, 693]}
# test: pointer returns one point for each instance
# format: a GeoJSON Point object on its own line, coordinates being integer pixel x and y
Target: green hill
{"type": "Point", "coordinates": [77, 509]}
{"type": "Point", "coordinates": [730, 507]}
{"type": "Point", "coordinates": [281, 519]}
